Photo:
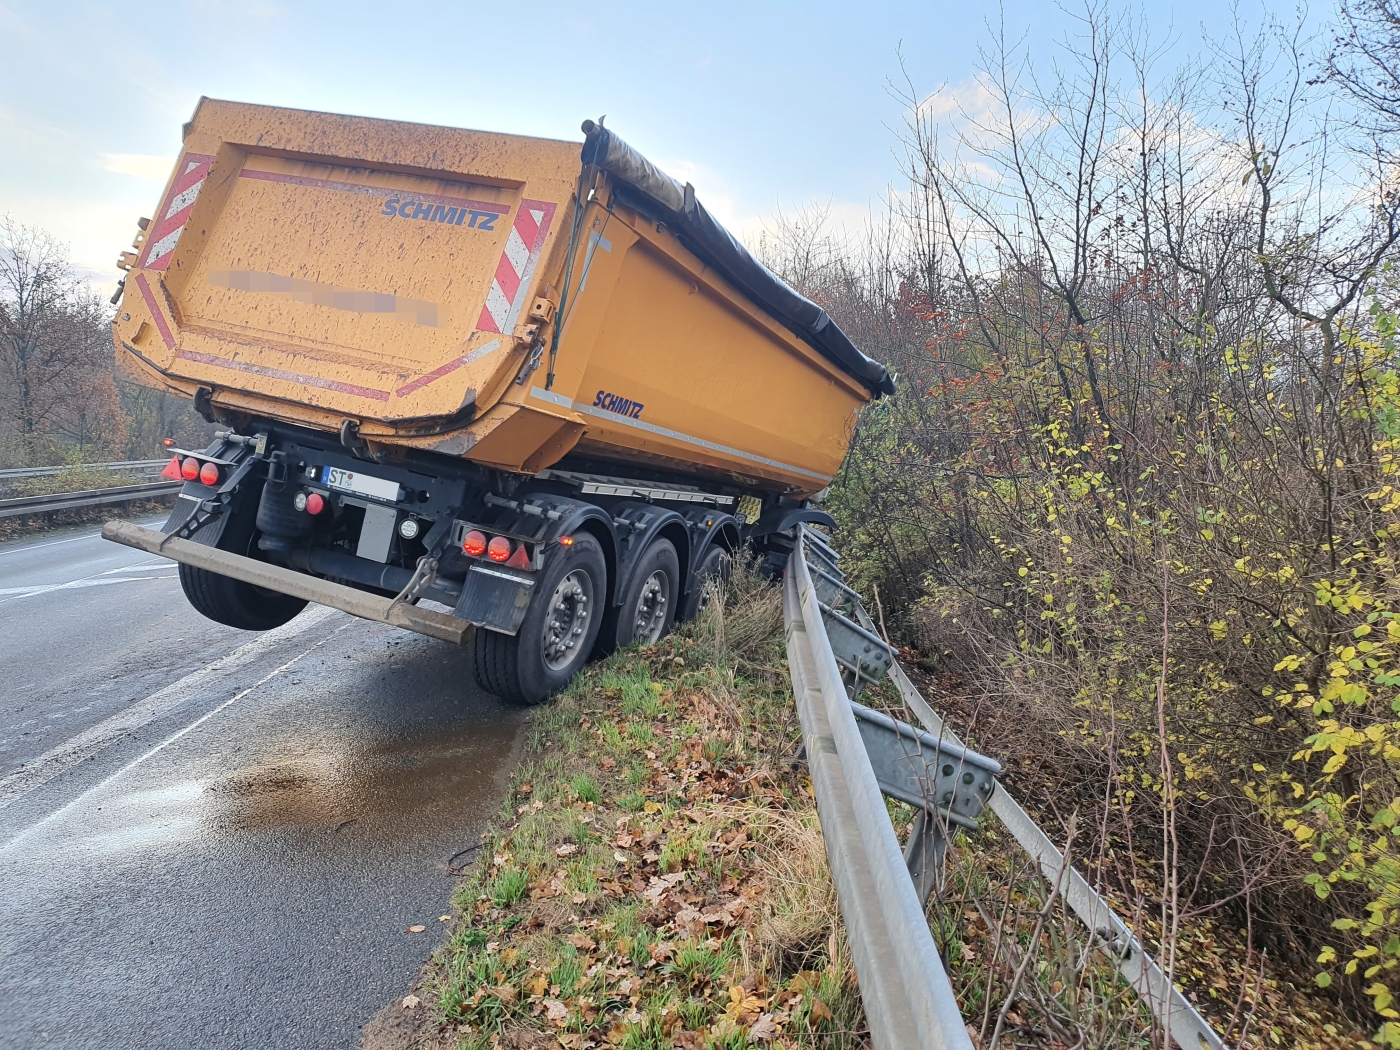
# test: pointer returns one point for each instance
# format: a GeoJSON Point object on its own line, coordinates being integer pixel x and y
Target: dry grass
{"type": "Point", "coordinates": [658, 878]}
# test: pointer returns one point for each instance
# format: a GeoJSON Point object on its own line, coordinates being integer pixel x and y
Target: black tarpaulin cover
{"type": "Point", "coordinates": [674, 204]}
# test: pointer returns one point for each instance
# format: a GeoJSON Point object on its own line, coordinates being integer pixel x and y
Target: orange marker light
{"type": "Point", "coordinates": [567, 541]}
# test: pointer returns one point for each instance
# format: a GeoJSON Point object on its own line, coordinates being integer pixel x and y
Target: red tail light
{"type": "Point", "coordinates": [209, 474]}
{"type": "Point", "coordinates": [172, 469]}
{"type": "Point", "coordinates": [189, 469]}
{"type": "Point", "coordinates": [520, 559]}
{"type": "Point", "coordinates": [474, 543]}
{"type": "Point", "coordinates": [315, 503]}
{"type": "Point", "coordinates": [498, 549]}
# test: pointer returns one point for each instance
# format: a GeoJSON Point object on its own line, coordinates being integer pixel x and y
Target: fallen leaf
{"type": "Point", "coordinates": [538, 986]}
{"type": "Point", "coordinates": [624, 839]}
{"type": "Point", "coordinates": [579, 898]}
{"type": "Point", "coordinates": [566, 850]}
{"type": "Point", "coordinates": [492, 946]}
{"type": "Point", "coordinates": [743, 1005]}
{"type": "Point", "coordinates": [505, 993]}
{"type": "Point", "coordinates": [410, 1002]}
{"type": "Point", "coordinates": [651, 807]}
{"type": "Point", "coordinates": [414, 929]}
{"type": "Point", "coordinates": [444, 918]}
{"type": "Point", "coordinates": [819, 1011]}
{"type": "Point", "coordinates": [555, 1011]}
{"type": "Point", "coordinates": [525, 788]}
{"type": "Point", "coordinates": [582, 942]}
{"type": "Point", "coordinates": [764, 1029]}
{"type": "Point", "coordinates": [621, 858]}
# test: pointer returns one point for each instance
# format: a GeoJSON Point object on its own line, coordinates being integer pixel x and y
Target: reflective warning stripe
{"type": "Point", "coordinates": [511, 281]}
{"type": "Point", "coordinates": [175, 210]}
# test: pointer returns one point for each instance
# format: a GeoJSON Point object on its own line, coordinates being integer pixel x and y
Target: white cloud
{"type": "Point", "coordinates": [972, 99]}
{"type": "Point", "coordinates": [139, 165]}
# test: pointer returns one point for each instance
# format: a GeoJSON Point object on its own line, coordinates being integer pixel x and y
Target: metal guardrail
{"type": "Point", "coordinates": [55, 501]}
{"type": "Point", "coordinates": [15, 473]}
{"type": "Point", "coordinates": [908, 1000]}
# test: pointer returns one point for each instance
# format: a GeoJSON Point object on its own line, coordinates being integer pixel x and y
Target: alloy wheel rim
{"type": "Point", "coordinates": [651, 608]}
{"type": "Point", "coordinates": [567, 619]}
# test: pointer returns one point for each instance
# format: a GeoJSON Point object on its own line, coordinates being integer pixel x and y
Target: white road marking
{"type": "Point", "coordinates": [158, 563]}
{"type": "Point", "coordinates": [17, 593]}
{"type": "Point", "coordinates": [94, 580]}
{"type": "Point", "coordinates": [50, 543]}
{"type": "Point", "coordinates": [69, 539]}
{"type": "Point", "coordinates": [68, 806]}
{"type": "Point", "coordinates": [15, 785]}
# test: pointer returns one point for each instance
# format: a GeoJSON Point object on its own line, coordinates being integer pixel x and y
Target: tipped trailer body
{"type": "Point", "coordinates": [423, 341]}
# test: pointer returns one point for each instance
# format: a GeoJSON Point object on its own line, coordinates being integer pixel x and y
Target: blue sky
{"type": "Point", "coordinates": [760, 105]}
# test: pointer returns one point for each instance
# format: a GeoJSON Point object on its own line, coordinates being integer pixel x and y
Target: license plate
{"type": "Point", "coordinates": [360, 484]}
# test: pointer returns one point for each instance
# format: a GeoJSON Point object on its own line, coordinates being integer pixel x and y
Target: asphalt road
{"type": "Point", "coordinates": [212, 838]}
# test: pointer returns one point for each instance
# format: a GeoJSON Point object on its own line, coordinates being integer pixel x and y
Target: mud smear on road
{"type": "Point", "coordinates": [364, 784]}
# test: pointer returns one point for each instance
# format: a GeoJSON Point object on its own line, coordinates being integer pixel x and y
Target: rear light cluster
{"type": "Point", "coordinates": [191, 469]}
{"type": "Point", "coordinates": [311, 502]}
{"type": "Point", "coordinates": [498, 548]}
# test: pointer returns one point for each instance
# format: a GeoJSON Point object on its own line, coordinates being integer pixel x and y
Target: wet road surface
{"type": "Point", "coordinates": [215, 838]}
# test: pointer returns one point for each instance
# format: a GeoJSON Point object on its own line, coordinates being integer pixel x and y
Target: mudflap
{"type": "Point", "coordinates": [495, 599]}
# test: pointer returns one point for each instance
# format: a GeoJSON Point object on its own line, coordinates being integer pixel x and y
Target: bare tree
{"type": "Point", "coordinates": [56, 372]}
{"type": "Point", "coordinates": [1365, 59]}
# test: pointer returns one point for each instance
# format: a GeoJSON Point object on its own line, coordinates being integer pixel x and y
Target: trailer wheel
{"type": "Point", "coordinates": [714, 567]}
{"type": "Point", "coordinates": [233, 602]}
{"type": "Point", "coordinates": [648, 609]}
{"type": "Point", "coordinates": [557, 633]}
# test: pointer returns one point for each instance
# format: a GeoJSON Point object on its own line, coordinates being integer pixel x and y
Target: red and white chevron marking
{"type": "Point", "coordinates": [511, 283]}
{"type": "Point", "coordinates": [164, 233]}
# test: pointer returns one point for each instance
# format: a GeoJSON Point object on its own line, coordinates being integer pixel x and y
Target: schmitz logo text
{"type": "Point", "coordinates": [621, 405]}
{"type": "Point", "coordinates": [409, 209]}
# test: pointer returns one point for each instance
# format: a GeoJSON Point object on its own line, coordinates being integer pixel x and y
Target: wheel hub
{"type": "Point", "coordinates": [651, 609]}
{"type": "Point", "coordinates": [567, 619]}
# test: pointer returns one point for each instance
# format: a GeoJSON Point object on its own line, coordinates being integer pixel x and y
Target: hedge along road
{"type": "Point", "coordinates": [216, 838]}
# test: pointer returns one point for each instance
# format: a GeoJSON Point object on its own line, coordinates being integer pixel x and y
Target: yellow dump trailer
{"type": "Point", "coordinates": [426, 340]}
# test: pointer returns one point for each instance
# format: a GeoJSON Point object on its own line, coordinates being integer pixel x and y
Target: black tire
{"type": "Point", "coordinates": [233, 602]}
{"type": "Point", "coordinates": [620, 627]}
{"type": "Point", "coordinates": [716, 564]}
{"type": "Point", "coordinates": [517, 669]}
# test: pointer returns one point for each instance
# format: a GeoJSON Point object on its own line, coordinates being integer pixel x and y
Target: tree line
{"type": "Point", "coordinates": [61, 396]}
{"type": "Point", "coordinates": [1138, 485]}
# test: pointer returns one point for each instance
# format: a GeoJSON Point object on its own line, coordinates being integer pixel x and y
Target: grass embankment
{"type": "Point", "coordinates": [658, 876]}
